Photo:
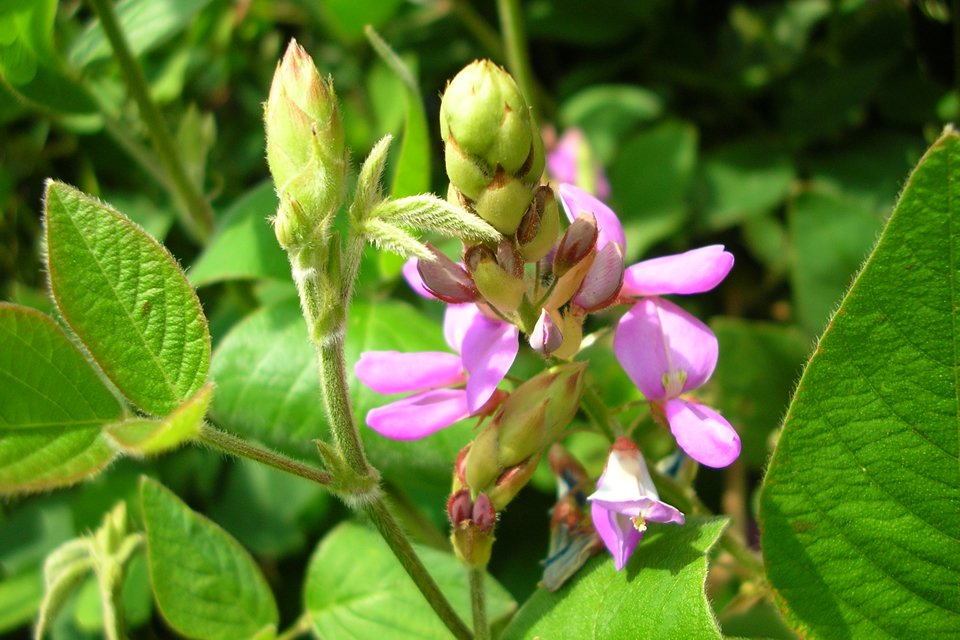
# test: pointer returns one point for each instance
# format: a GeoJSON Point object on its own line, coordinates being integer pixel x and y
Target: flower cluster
{"type": "Point", "coordinates": [544, 281]}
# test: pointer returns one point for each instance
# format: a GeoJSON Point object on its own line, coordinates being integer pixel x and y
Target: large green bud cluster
{"type": "Point", "coordinates": [493, 150]}
{"type": "Point", "coordinates": [305, 148]}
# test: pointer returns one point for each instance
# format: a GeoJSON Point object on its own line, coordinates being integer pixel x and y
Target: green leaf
{"type": "Point", "coordinates": [127, 300]}
{"type": "Point", "coordinates": [356, 590]}
{"type": "Point", "coordinates": [205, 584]}
{"type": "Point", "coordinates": [244, 245]}
{"type": "Point", "coordinates": [744, 180]}
{"type": "Point", "coordinates": [20, 596]}
{"type": "Point", "coordinates": [347, 18]}
{"type": "Point", "coordinates": [46, 381]}
{"type": "Point", "coordinates": [140, 437]}
{"type": "Point", "coordinates": [758, 366]}
{"type": "Point", "coordinates": [831, 237]}
{"type": "Point", "coordinates": [52, 406]}
{"type": "Point", "coordinates": [659, 594]}
{"type": "Point", "coordinates": [649, 182]}
{"type": "Point", "coordinates": [858, 509]}
{"type": "Point", "coordinates": [145, 23]}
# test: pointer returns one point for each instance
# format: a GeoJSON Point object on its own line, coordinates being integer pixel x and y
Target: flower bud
{"type": "Point", "coordinates": [305, 146]}
{"type": "Point", "coordinates": [512, 480]}
{"type": "Point", "coordinates": [539, 227]}
{"type": "Point", "coordinates": [498, 277]}
{"type": "Point", "coordinates": [484, 112]}
{"type": "Point", "coordinates": [503, 202]}
{"type": "Point", "coordinates": [546, 337]}
{"type": "Point", "coordinates": [459, 507]}
{"type": "Point", "coordinates": [445, 279]}
{"type": "Point", "coordinates": [577, 242]}
{"type": "Point", "coordinates": [603, 280]}
{"type": "Point", "coordinates": [484, 515]}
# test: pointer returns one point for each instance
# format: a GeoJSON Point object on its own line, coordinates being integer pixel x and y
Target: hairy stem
{"type": "Point", "coordinates": [515, 42]}
{"type": "Point", "coordinates": [336, 398]}
{"type": "Point", "coordinates": [240, 448]}
{"type": "Point", "coordinates": [377, 511]}
{"type": "Point", "coordinates": [478, 602]}
{"type": "Point", "coordinates": [198, 217]}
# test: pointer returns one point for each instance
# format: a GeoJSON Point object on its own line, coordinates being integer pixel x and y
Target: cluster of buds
{"type": "Point", "coordinates": [541, 280]}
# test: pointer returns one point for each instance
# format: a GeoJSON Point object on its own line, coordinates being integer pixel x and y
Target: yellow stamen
{"type": "Point", "coordinates": [639, 523]}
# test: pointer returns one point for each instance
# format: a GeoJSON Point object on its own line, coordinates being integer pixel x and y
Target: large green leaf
{"type": "Point", "coordinates": [859, 508]}
{"type": "Point", "coordinates": [205, 584]}
{"type": "Point", "coordinates": [127, 300]}
{"type": "Point", "coordinates": [356, 590]}
{"type": "Point", "coordinates": [268, 387]}
{"type": "Point", "coordinates": [658, 596]}
{"type": "Point", "coordinates": [145, 23]}
{"type": "Point", "coordinates": [244, 245]}
{"type": "Point", "coordinates": [52, 405]}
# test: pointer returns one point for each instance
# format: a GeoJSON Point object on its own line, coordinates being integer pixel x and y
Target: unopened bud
{"type": "Point", "coordinates": [496, 275]}
{"type": "Point", "coordinates": [445, 279]}
{"type": "Point", "coordinates": [459, 507]}
{"type": "Point", "coordinates": [546, 337]}
{"type": "Point", "coordinates": [603, 280]}
{"type": "Point", "coordinates": [540, 226]}
{"type": "Point", "coordinates": [503, 202]}
{"type": "Point", "coordinates": [578, 241]}
{"type": "Point", "coordinates": [484, 515]}
{"type": "Point", "coordinates": [512, 480]}
{"type": "Point", "coordinates": [305, 146]}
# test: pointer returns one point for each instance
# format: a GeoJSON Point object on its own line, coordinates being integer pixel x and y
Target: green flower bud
{"type": "Point", "coordinates": [540, 226]}
{"type": "Point", "coordinates": [498, 277]}
{"type": "Point", "coordinates": [484, 112]}
{"type": "Point", "coordinates": [305, 146]}
{"type": "Point", "coordinates": [503, 202]}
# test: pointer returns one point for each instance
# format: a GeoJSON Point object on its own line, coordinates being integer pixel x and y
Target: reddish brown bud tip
{"type": "Point", "coordinates": [445, 279]}
{"type": "Point", "coordinates": [576, 244]}
{"type": "Point", "coordinates": [459, 507]}
{"type": "Point", "coordinates": [484, 516]}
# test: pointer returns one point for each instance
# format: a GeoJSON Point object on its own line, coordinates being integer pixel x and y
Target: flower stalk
{"type": "Point", "coordinates": [196, 213]}
{"type": "Point", "coordinates": [478, 603]}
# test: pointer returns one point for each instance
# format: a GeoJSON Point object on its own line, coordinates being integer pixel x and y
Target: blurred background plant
{"type": "Point", "coordinates": [782, 129]}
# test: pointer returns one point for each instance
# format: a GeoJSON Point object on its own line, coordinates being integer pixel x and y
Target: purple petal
{"type": "Point", "coordinates": [419, 415]}
{"type": "Point", "coordinates": [576, 201]}
{"type": "Point", "coordinates": [412, 275]}
{"type": "Point", "coordinates": [617, 532]}
{"type": "Point", "coordinates": [703, 433]}
{"type": "Point", "coordinates": [664, 349]}
{"type": "Point", "coordinates": [562, 162]}
{"type": "Point", "coordinates": [695, 271]}
{"type": "Point", "coordinates": [602, 283]}
{"type": "Point", "coordinates": [658, 511]}
{"type": "Point", "coordinates": [457, 319]}
{"type": "Point", "coordinates": [397, 372]}
{"type": "Point", "coordinates": [489, 349]}
{"type": "Point", "coordinates": [545, 337]}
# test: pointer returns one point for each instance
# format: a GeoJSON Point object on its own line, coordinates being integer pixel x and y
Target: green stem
{"type": "Point", "coordinates": [110, 583]}
{"type": "Point", "coordinates": [515, 42]}
{"type": "Point", "coordinates": [300, 627]}
{"type": "Point", "coordinates": [478, 27]}
{"type": "Point", "coordinates": [198, 219]}
{"type": "Point", "coordinates": [240, 448]}
{"type": "Point", "coordinates": [336, 398]}
{"type": "Point", "coordinates": [394, 537]}
{"type": "Point", "coordinates": [414, 520]}
{"type": "Point", "coordinates": [478, 601]}
{"type": "Point", "coordinates": [596, 409]}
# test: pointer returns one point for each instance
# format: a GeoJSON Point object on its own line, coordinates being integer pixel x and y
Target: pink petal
{"type": "Point", "coordinates": [412, 276]}
{"type": "Point", "coordinates": [664, 349]}
{"type": "Point", "coordinates": [602, 283]}
{"type": "Point", "coordinates": [694, 271]}
{"type": "Point", "coordinates": [576, 201]}
{"type": "Point", "coordinates": [617, 533]}
{"type": "Point", "coordinates": [545, 337]}
{"type": "Point", "coordinates": [397, 372]}
{"type": "Point", "coordinates": [419, 415]}
{"type": "Point", "coordinates": [702, 433]}
{"type": "Point", "coordinates": [456, 320]}
{"type": "Point", "coordinates": [489, 349]}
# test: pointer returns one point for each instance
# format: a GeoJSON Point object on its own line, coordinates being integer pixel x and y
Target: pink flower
{"type": "Point", "coordinates": [665, 350]}
{"type": "Point", "coordinates": [448, 387]}
{"type": "Point", "coordinates": [668, 352]}
{"type": "Point", "coordinates": [625, 500]}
